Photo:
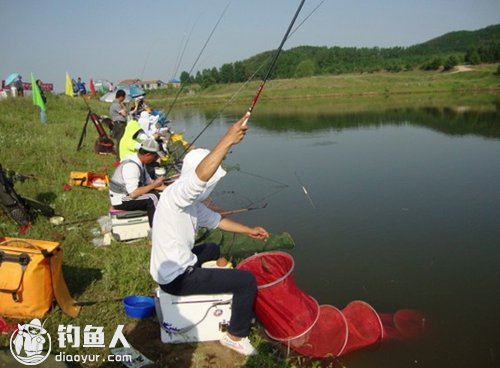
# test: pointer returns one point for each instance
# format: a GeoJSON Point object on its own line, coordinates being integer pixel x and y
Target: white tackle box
{"type": "Point", "coordinates": [129, 225]}
{"type": "Point", "coordinates": [192, 318]}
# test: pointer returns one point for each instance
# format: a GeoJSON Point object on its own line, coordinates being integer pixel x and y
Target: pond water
{"type": "Point", "coordinates": [403, 212]}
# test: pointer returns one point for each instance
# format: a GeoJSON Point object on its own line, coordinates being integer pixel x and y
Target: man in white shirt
{"type": "Point", "coordinates": [175, 264]}
{"type": "Point", "coordinates": [131, 187]}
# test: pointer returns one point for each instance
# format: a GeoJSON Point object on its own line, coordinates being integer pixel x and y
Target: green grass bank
{"type": "Point", "coordinates": [48, 152]}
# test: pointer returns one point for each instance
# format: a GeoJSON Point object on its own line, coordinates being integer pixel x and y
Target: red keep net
{"type": "Point", "coordinates": [294, 318]}
{"type": "Point", "coordinates": [405, 324]}
{"type": "Point", "coordinates": [328, 337]}
{"type": "Point", "coordinates": [364, 326]}
{"type": "Point", "coordinates": [285, 311]}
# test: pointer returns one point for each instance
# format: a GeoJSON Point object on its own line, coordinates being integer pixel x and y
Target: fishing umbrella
{"type": "Point", "coordinates": [132, 90]}
{"type": "Point", "coordinates": [11, 78]}
{"type": "Point", "coordinates": [110, 97]}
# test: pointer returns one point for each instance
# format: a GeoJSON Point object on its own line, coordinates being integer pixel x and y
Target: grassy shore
{"type": "Point", "coordinates": [48, 152]}
{"type": "Point", "coordinates": [469, 80]}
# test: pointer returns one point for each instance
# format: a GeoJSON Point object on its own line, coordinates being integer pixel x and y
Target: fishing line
{"type": "Point", "coordinates": [219, 195]}
{"type": "Point", "coordinates": [251, 202]}
{"type": "Point", "coordinates": [198, 57]}
{"type": "Point", "coordinates": [281, 184]}
{"type": "Point", "coordinates": [305, 19]}
{"type": "Point", "coordinates": [219, 113]}
{"type": "Point", "coordinates": [272, 64]}
{"type": "Point", "coordinates": [147, 59]}
{"type": "Point", "coordinates": [267, 196]}
{"type": "Point", "coordinates": [181, 55]}
{"type": "Point", "coordinates": [305, 190]}
{"type": "Point", "coordinates": [249, 79]}
{"type": "Point", "coordinates": [181, 44]}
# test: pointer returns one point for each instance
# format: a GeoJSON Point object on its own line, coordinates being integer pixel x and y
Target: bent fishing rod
{"type": "Point", "coordinates": [198, 57]}
{"type": "Point", "coordinates": [271, 65]}
{"type": "Point", "coordinates": [186, 150]}
{"type": "Point", "coordinates": [273, 62]}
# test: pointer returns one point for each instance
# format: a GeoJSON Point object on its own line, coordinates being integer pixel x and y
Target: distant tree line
{"type": "Point", "coordinates": [445, 52]}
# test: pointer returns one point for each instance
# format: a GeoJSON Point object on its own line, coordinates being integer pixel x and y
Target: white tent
{"type": "Point", "coordinates": [110, 97]}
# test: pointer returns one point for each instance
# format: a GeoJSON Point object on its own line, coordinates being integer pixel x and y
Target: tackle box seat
{"type": "Point", "coordinates": [129, 225]}
{"type": "Point", "coordinates": [126, 214]}
{"type": "Point", "coordinates": [192, 318]}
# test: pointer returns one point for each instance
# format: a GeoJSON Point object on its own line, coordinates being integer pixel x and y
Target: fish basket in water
{"type": "Point", "coordinates": [291, 316]}
{"type": "Point", "coordinates": [286, 312]}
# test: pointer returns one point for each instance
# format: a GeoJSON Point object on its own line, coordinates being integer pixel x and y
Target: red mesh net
{"type": "Point", "coordinates": [365, 326]}
{"type": "Point", "coordinates": [328, 337]}
{"type": "Point", "coordinates": [285, 311]}
{"type": "Point", "coordinates": [294, 318]}
{"type": "Point", "coordinates": [405, 324]}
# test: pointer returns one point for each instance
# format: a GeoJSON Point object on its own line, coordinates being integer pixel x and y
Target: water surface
{"type": "Point", "coordinates": [405, 214]}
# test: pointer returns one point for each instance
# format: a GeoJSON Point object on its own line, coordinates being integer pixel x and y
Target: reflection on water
{"type": "Point", "coordinates": [406, 212]}
{"type": "Point", "coordinates": [459, 120]}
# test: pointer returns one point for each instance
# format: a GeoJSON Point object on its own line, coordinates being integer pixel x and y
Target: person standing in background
{"type": "Point", "coordinates": [82, 90]}
{"type": "Point", "coordinates": [118, 113]}
{"type": "Point", "coordinates": [18, 85]}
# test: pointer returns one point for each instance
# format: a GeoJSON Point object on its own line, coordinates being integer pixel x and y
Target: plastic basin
{"type": "Point", "coordinates": [139, 306]}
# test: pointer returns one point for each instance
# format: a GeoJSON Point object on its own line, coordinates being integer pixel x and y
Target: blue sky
{"type": "Point", "coordinates": [133, 39]}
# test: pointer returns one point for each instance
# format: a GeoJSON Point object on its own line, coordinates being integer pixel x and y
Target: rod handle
{"type": "Point", "coordinates": [247, 116]}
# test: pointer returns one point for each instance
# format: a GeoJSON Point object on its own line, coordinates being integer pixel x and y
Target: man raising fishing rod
{"type": "Point", "coordinates": [176, 262]}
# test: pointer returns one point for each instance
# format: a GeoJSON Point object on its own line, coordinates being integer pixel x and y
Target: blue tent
{"type": "Point", "coordinates": [132, 90]}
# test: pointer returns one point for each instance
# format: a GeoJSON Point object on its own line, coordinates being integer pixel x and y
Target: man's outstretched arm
{"type": "Point", "coordinates": [209, 165]}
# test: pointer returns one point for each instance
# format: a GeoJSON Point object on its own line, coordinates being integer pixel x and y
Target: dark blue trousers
{"type": "Point", "coordinates": [241, 284]}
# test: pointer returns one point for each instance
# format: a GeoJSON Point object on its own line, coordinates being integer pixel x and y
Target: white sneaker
{"type": "Point", "coordinates": [242, 346]}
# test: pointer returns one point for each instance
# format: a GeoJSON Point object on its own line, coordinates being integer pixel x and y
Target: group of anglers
{"type": "Point", "coordinates": [176, 211]}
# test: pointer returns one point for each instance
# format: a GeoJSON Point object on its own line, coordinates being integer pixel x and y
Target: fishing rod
{"type": "Point", "coordinates": [306, 18]}
{"type": "Point", "coordinates": [241, 210]}
{"type": "Point", "coordinates": [219, 113]}
{"type": "Point", "coordinates": [244, 85]}
{"type": "Point", "coordinates": [198, 57]}
{"type": "Point", "coordinates": [271, 65]}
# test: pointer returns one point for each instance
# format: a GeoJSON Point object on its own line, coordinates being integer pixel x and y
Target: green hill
{"type": "Point", "coordinates": [460, 41]}
{"type": "Point", "coordinates": [480, 46]}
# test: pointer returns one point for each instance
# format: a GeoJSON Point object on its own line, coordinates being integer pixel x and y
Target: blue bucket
{"type": "Point", "coordinates": [139, 306]}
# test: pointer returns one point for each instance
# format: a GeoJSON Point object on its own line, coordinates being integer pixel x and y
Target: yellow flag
{"type": "Point", "coordinates": [69, 86]}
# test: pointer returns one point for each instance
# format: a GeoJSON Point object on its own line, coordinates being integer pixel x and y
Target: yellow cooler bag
{"type": "Point", "coordinates": [30, 277]}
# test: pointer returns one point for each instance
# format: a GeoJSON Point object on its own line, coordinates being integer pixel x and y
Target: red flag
{"type": "Point", "coordinates": [92, 87]}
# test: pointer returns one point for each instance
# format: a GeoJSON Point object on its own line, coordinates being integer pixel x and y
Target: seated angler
{"type": "Point", "coordinates": [149, 124]}
{"type": "Point", "coordinates": [131, 187]}
{"type": "Point", "coordinates": [176, 263]}
{"type": "Point", "coordinates": [132, 138]}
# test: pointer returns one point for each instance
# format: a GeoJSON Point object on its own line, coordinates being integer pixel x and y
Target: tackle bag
{"type": "Point", "coordinates": [104, 146]}
{"type": "Point", "coordinates": [31, 277]}
{"type": "Point", "coordinates": [89, 179]}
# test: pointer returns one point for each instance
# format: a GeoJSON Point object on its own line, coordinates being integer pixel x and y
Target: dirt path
{"type": "Point", "coordinates": [462, 68]}
{"type": "Point", "coordinates": [145, 337]}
